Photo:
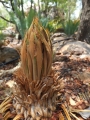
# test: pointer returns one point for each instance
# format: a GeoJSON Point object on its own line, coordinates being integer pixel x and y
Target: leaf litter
{"type": "Point", "coordinates": [75, 74]}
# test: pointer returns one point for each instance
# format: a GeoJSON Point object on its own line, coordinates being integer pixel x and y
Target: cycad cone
{"type": "Point", "coordinates": [35, 92]}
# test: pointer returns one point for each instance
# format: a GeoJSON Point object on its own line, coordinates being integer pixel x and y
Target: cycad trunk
{"type": "Point", "coordinates": [84, 28]}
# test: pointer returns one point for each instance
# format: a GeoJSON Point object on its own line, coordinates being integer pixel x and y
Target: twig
{"type": "Point", "coordinates": [6, 19]}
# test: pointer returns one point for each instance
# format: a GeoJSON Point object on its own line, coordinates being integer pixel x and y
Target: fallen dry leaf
{"type": "Point", "coordinates": [72, 102]}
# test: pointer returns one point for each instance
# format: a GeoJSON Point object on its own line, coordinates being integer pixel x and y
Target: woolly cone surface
{"type": "Point", "coordinates": [35, 92]}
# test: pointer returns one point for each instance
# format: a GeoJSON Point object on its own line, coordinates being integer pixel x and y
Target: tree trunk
{"type": "Point", "coordinates": [84, 28]}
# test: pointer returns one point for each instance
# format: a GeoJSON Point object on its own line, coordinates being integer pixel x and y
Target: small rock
{"type": "Point", "coordinates": [7, 54]}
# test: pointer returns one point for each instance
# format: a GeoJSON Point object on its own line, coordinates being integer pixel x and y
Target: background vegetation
{"type": "Point", "coordinates": [53, 14]}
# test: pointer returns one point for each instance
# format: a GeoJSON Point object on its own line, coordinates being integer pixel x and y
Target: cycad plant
{"type": "Point", "coordinates": [70, 26]}
{"type": "Point", "coordinates": [21, 21]}
{"type": "Point", "coordinates": [36, 88]}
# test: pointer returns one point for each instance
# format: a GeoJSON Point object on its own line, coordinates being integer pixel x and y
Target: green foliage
{"type": "Point", "coordinates": [22, 22]}
{"type": "Point", "coordinates": [2, 36]}
{"type": "Point", "coordinates": [3, 24]}
{"type": "Point", "coordinates": [51, 25]}
{"type": "Point", "coordinates": [17, 15]}
{"type": "Point", "coordinates": [30, 16]}
{"type": "Point", "coordinates": [47, 24]}
{"type": "Point", "coordinates": [66, 6]}
{"type": "Point", "coordinates": [70, 26]}
{"type": "Point", "coordinates": [3, 12]}
{"type": "Point", "coordinates": [66, 9]}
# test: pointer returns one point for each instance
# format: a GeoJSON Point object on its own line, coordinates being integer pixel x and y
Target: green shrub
{"type": "Point", "coordinates": [70, 26]}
